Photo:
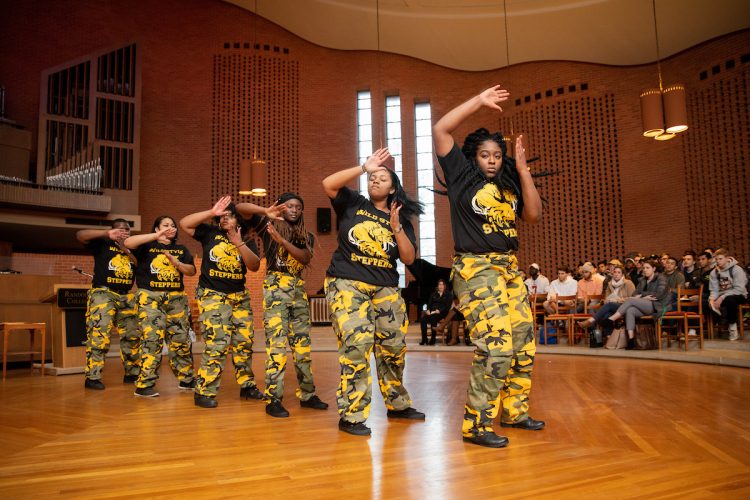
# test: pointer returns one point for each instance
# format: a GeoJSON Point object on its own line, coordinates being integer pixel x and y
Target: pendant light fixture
{"type": "Point", "coordinates": [510, 139]}
{"type": "Point", "coordinates": [663, 109]}
{"type": "Point", "coordinates": [253, 173]}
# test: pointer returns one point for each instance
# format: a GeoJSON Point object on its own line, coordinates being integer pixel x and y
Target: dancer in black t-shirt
{"type": "Point", "coordinates": [162, 304]}
{"type": "Point", "coordinates": [223, 300]}
{"type": "Point", "coordinates": [110, 305]}
{"type": "Point", "coordinates": [361, 288]}
{"type": "Point", "coordinates": [487, 190]}
{"type": "Point", "coordinates": [288, 248]}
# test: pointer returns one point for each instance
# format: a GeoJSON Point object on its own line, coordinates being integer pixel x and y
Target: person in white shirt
{"type": "Point", "coordinates": [563, 286]}
{"type": "Point", "coordinates": [536, 283]}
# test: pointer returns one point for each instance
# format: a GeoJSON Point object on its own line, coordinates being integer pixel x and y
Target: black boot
{"type": "Point", "coordinates": [631, 344]}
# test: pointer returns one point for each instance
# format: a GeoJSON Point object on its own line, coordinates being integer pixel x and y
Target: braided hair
{"type": "Point", "coordinates": [290, 231]}
{"type": "Point", "coordinates": [508, 175]}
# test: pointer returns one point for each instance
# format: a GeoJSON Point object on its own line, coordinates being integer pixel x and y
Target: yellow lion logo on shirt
{"type": "Point", "coordinates": [226, 257]}
{"type": "Point", "coordinates": [120, 264]}
{"type": "Point", "coordinates": [372, 239]}
{"type": "Point", "coordinates": [284, 260]}
{"type": "Point", "coordinates": [498, 210]}
{"type": "Point", "coordinates": [163, 269]}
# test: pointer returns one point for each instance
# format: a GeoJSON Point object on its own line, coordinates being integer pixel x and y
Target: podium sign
{"type": "Point", "coordinates": [71, 298]}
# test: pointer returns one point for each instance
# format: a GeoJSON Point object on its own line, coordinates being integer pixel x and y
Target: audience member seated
{"type": "Point", "coordinates": [536, 283]}
{"type": "Point", "coordinates": [690, 270]}
{"type": "Point", "coordinates": [564, 285]}
{"type": "Point", "coordinates": [674, 279]}
{"type": "Point", "coordinates": [618, 289]}
{"type": "Point", "coordinates": [589, 284]}
{"type": "Point", "coordinates": [631, 269]}
{"type": "Point", "coordinates": [453, 319]}
{"type": "Point", "coordinates": [602, 269]}
{"type": "Point", "coordinates": [651, 297]}
{"type": "Point", "coordinates": [728, 289]}
{"type": "Point", "coordinates": [438, 306]}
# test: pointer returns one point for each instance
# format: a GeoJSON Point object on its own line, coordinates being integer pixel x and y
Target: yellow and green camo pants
{"type": "Point", "coordinates": [227, 322]}
{"type": "Point", "coordinates": [286, 318]}
{"type": "Point", "coordinates": [105, 311]}
{"type": "Point", "coordinates": [493, 299]}
{"type": "Point", "coordinates": [164, 314]}
{"type": "Point", "coordinates": [367, 317]}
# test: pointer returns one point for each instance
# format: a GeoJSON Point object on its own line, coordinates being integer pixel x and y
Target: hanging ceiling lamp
{"type": "Point", "coordinates": [663, 110]}
{"type": "Point", "coordinates": [253, 173]}
{"type": "Point", "coordinates": [510, 139]}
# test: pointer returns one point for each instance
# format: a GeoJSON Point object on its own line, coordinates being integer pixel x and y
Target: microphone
{"type": "Point", "coordinates": [81, 271]}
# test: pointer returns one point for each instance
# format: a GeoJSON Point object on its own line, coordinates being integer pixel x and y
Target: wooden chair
{"type": "Point", "coordinates": [741, 320]}
{"type": "Point", "coordinates": [591, 304]}
{"type": "Point", "coordinates": [689, 314]}
{"type": "Point", "coordinates": [565, 314]}
{"type": "Point", "coordinates": [537, 309]}
{"type": "Point", "coordinates": [9, 327]}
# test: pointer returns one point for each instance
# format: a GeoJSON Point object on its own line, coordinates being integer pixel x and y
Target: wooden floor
{"type": "Point", "coordinates": [616, 428]}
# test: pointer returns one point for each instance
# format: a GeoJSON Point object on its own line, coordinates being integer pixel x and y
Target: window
{"type": "Point", "coordinates": [393, 140]}
{"type": "Point", "coordinates": [423, 148]}
{"type": "Point", "coordinates": [364, 133]}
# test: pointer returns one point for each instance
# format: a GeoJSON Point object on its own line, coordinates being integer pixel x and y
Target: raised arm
{"type": "Point", "coordinates": [532, 202]}
{"type": "Point", "coordinates": [115, 234]}
{"type": "Point", "coordinates": [251, 260]}
{"type": "Point", "coordinates": [134, 242]}
{"type": "Point", "coordinates": [406, 251]}
{"type": "Point", "coordinates": [334, 182]}
{"type": "Point", "coordinates": [190, 222]}
{"type": "Point", "coordinates": [275, 211]}
{"type": "Point", "coordinates": [302, 255]}
{"type": "Point", "coordinates": [442, 130]}
{"type": "Point", "coordinates": [186, 269]}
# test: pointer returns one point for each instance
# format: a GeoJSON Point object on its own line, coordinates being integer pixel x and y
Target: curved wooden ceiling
{"type": "Point", "coordinates": [470, 34]}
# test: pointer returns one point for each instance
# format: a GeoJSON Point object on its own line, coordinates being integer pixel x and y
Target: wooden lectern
{"type": "Point", "coordinates": [68, 318]}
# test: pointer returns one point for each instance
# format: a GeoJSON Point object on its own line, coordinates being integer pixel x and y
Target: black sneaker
{"type": "Point", "coordinates": [186, 386]}
{"type": "Point", "coordinates": [129, 379]}
{"type": "Point", "coordinates": [250, 392]}
{"type": "Point", "coordinates": [314, 403]}
{"type": "Point", "coordinates": [275, 409]}
{"type": "Point", "coordinates": [488, 439]}
{"type": "Point", "coordinates": [408, 413]}
{"type": "Point", "coordinates": [94, 384]}
{"type": "Point", "coordinates": [529, 424]}
{"type": "Point", "coordinates": [356, 428]}
{"type": "Point", "coordinates": [205, 401]}
{"type": "Point", "coordinates": [146, 392]}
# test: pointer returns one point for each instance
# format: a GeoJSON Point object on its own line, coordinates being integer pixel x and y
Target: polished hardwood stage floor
{"type": "Point", "coordinates": [616, 428]}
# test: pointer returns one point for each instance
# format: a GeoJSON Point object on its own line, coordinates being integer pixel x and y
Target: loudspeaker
{"type": "Point", "coordinates": [324, 220]}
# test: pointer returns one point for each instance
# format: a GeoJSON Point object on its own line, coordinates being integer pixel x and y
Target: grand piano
{"type": "Point", "coordinates": [426, 276]}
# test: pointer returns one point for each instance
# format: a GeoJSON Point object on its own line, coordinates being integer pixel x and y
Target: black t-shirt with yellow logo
{"type": "Point", "coordinates": [367, 248]}
{"type": "Point", "coordinates": [222, 267]}
{"type": "Point", "coordinates": [278, 259]}
{"type": "Point", "coordinates": [483, 217]}
{"type": "Point", "coordinates": [154, 271]}
{"type": "Point", "coordinates": [113, 268]}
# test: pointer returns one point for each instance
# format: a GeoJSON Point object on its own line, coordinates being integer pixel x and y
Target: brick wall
{"type": "Point", "coordinates": [178, 40]}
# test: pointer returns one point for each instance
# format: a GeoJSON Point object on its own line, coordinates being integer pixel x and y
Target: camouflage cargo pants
{"type": "Point", "coordinates": [164, 314]}
{"type": "Point", "coordinates": [492, 298]}
{"type": "Point", "coordinates": [106, 311]}
{"type": "Point", "coordinates": [286, 318]}
{"type": "Point", "coordinates": [227, 323]}
{"type": "Point", "coordinates": [367, 317]}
